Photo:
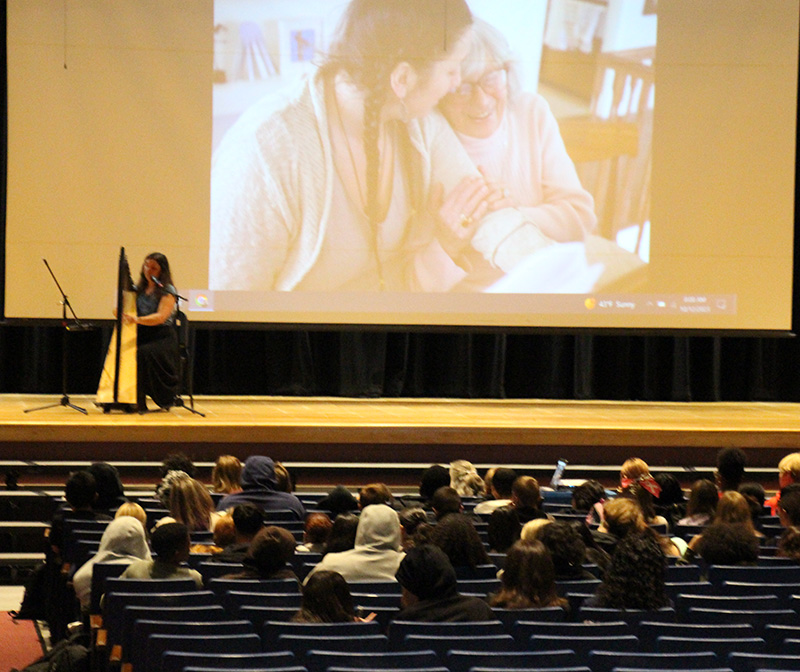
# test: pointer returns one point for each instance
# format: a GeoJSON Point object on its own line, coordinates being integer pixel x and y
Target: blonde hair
{"type": "Point", "coordinates": [464, 478]}
{"type": "Point", "coordinates": [190, 503]}
{"type": "Point", "coordinates": [227, 474]}
{"type": "Point", "coordinates": [623, 515]}
{"type": "Point", "coordinates": [531, 530]}
{"type": "Point", "coordinates": [733, 508]}
{"type": "Point", "coordinates": [133, 510]}
{"type": "Point", "coordinates": [633, 468]}
{"type": "Point", "coordinates": [790, 465]}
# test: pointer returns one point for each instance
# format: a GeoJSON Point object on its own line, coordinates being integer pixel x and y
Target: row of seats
{"type": "Point", "coordinates": [648, 633]}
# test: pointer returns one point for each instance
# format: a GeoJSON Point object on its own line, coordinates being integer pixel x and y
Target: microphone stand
{"type": "Point", "coordinates": [78, 326]}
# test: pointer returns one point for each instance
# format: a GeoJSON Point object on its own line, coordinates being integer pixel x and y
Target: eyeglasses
{"type": "Point", "coordinates": [492, 83]}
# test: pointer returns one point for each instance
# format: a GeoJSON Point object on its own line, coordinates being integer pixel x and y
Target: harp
{"type": "Point", "coordinates": [117, 388]}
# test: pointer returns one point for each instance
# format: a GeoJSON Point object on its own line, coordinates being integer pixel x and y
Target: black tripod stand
{"type": "Point", "coordinates": [77, 325]}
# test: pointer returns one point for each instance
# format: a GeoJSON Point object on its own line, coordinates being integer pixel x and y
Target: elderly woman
{"type": "Point", "coordinates": [514, 138]}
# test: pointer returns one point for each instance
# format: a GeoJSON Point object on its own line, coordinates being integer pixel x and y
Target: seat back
{"type": "Point", "coordinates": [321, 661]}
{"type": "Point", "coordinates": [220, 586]}
{"type": "Point", "coordinates": [685, 602]}
{"type": "Point", "coordinates": [606, 661]}
{"type": "Point", "coordinates": [719, 645]}
{"type": "Point", "coordinates": [302, 644]}
{"type": "Point", "coordinates": [464, 661]}
{"type": "Point", "coordinates": [272, 630]}
{"type": "Point", "coordinates": [649, 631]}
{"type": "Point", "coordinates": [758, 618]}
{"type": "Point", "coordinates": [630, 616]}
{"type": "Point", "coordinates": [399, 630]}
{"type": "Point", "coordinates": [509, 617]}
{"type": "Point", "coordinates": [523, 630]}
{"type": "Point", "coordinates": [582, 645]}
{"type": "Point", "coordinates": [143, 628]}
{"type": "Point", "coordinates": [234, 600]}
{"type": "Point", "coordinates": [718, 574]}
{"type": "Point", "coordinates": [177, 661]}
{"type": "Point", "coordinates": [441, 644]}
{"type": "Point", "coordinates": [211, 645]}
{"type": "Point", "coordinates": [258, 614]}
{"type": "Point", "coordinates": [101, 572]}
{"type": "Point", "coordinates": [750, 662]}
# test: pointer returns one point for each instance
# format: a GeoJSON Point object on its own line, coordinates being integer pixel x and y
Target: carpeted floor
{"type": "Point", "coordinates": [19, 643]}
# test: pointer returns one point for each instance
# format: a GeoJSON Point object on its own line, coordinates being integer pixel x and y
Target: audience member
{"type": "Point", "coordinates": [190, 503]}
{"type": "Point", "coordinates": [110, 491]}
{"type": "Point", "coordinates": [732, 509]}
{"type": "Point", "coordinates": [635, 577]}
{"type": "Point", "coordinates": [446, 501]}
{"type": "Point", "coordinates": [339, 500]}
{"type": "Point", "coordinates": [670, 502]}
{"type": "Point", "coordinates": [410, 521]}
{"type": "Point", "coordinates": [259, 487]}
{"type": "Point", "coordinates": [284, 480]}
{"type": "Point", "coordinates": [170, 543]}
{"type": "Point", "coordinates": [624, 516]}
{"type": "Point", "coordinates": [702, 503]}
{"type": "Point", "coordinates": [502, 481]}
{"type": "Point", "coordinates": [224, 534]}
{"type": "Point", "coordinates": [504, 528]}
{"type": "Point", "coordinates": [433, 478]}
{"type": "Point", "coordinates": [527, 499]}
{"type": "Point", "coordinates": [532, 530]}
{"type": "Point", "coordinates": [133, 510]}
{"type": "Point", "coordinates": [588, 499]}
{"type": "Point", "coordinates": [430, 591]}
{"type": "Point", "coordinates": [315, 533]}
{"type": "Point", "coordinates": [268, 556]}
{"type": "Point", "coordinates": [464, 479]}
{"type": "Point", "coordinates": [374, 493]}
{"type": "Point", "coordinates": [731, 463]}
{"type": "Point", "coordinates": [343, 533]}
{"type": "Point", "coordinates": [80, 492]}
{"type": "Point", "coordinates": [173, 462]}
{"type": "Point", "coordinates": [123, 542]}
{"type": "Point", "coordinates": [789, 544]}
{"type": "Point", "coordinates": [755, 496]}
{"type": "Point", "coordinates": [226, 476]}
{"type": "Point", "coordinates": [789, 505]}
{"type": "Point", "coordinates": [567, 551]}
{"type": "Point", "coordinates": [326, 599]}
{"type": "Point", "coordinates": [788, 473]}
{"type": "Point", "coordinates": [727, 544]}
{"type": "Point", "coordinates": [642, 491]}
{"type": "Point", "coordinates": [633, 469]}
{"type": "Point", "coordinates": [248, 521]}
{"type": "Point", "coordinates": [456, 535]}
{"type": "Point", "coordinates": [377, 551]}
{"type": "Point", "coordinates": [528, 579]}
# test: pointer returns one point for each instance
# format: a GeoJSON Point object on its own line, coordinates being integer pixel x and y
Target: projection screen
{"type": "Point", "coordinates": [619, 163]}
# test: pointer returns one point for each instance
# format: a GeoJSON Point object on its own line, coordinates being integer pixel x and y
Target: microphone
{"type": "Point", "coordinates": [157, 281]}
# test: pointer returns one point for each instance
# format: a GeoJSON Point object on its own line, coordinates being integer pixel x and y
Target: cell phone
{"type": "Point", "coordinates": [558, 474]}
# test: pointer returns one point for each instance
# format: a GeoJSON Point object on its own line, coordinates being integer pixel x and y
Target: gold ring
{"type": "Point", "coordinates": [465, 221]}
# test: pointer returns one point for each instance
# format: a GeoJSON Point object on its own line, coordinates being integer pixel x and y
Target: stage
{"type": "Point", "coordinates": [398, 437]}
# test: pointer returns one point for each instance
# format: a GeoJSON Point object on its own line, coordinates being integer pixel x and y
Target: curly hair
{"type": "Point", "coordinates": [635, 577]}
{"type": "Point", "coordinates": [789, 544]}
{"type": "Point", "coordinates": [587, 494]}
{"type": "Point", "coordinates": [728, 544]}
{"type": "Point", "coordinates": [457, 537]}
{"type": "Point", "coordinates": [566, 546]}
{"type": "Point", "coordinates": [528, 579]}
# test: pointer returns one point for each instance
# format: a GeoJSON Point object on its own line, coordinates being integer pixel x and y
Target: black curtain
{"type": "Point", "coordinates": [432, 364]}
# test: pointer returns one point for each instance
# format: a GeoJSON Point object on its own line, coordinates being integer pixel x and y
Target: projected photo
{"type": "Point", "coordinates": [431, 146]}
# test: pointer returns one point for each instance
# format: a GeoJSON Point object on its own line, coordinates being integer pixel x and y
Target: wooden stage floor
{"type": "Point", "coordinates": [419, 431]}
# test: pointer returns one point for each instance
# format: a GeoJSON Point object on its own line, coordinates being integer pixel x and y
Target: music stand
{"type": "Point", "coordinates": [78, 326]}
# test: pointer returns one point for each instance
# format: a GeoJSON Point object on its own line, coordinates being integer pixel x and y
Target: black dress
{"type": "Point", "coordinates": [157, 355]}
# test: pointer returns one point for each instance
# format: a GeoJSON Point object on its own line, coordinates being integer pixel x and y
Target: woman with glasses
{"type": "Point", "coordinates": [513, 137]}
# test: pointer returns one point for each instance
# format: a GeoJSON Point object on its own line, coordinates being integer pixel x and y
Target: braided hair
{"type": "Point", "coordinates": [373, 37]}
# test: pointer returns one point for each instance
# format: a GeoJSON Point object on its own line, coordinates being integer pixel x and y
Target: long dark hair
{"type": "Point", "coordinates": [326, 599]}
{"type": "Point", "coordinates": [528, 578]}
{"type": "Point", "coordinates": [415, 31]}
{"type": "Point", "coordinates": [165, 277]}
